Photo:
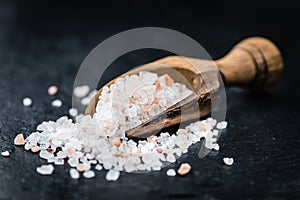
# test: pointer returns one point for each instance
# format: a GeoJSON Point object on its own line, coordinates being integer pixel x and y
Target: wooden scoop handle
{"type": "Point", "coordinates": [254, 62]}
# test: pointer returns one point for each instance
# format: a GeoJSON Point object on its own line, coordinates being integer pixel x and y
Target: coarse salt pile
{"type": "Point", "coordinates": [100, 140]}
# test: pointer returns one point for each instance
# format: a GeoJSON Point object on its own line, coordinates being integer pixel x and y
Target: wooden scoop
{"type": "Point", "coordinates": [253, 63]}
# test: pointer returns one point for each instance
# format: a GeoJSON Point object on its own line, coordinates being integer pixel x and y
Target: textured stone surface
{"type": "Point", "coordinates": [44, 44]}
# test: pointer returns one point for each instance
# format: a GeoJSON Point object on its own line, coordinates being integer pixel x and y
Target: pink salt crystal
{"type": "Point", "coordinates": [157, 85]}
{"type": "Point", "coordinates": [35, 149]}
{"type": "Point", "coordinates": [52, 90]}
{"type": "Point", "coordinates": [81, 167]}
{"type": "Point", "coordinates": [152, 138]}
{"type": "Point", "coordinates": [70, 151]}
{"type": "Point", "coordinates": [159, 150]}
{"type": "Point", "coordinates": [116, 142]}
{"type": "Point", "coordinates": [19, 139]}
{"type": "Point", "coordinates": [184, 169]}
{"type": "Point", "coordinates": [168, 80]}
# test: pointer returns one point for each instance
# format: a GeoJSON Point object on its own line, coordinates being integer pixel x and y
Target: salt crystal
{"type": "Point", "coordinates": [89, 174]}
{"type": "Point", "coordinates": [112, 175]}
{"type": "Point", "coordinates": [45, 154]}
{"type": "Point", "coordinates": [89, 156]}
{"type": "Point", "coordinates": [93, 162]}
{"type": "Point", "coordinates": [156, 168]}
{"type": "Point", "coordinates": [27, 101]}
{"type": "Point", "coordinates": [5, 153]}
{"type": "Point", "coordinates": [216, 147]}
{"type": "Point", "coordinates": [170, 158]}
{"type": "Point", "coordinates": [35, 149]}
{"type": "Point", "coordinates": [59, 161]}
{"type": "Point", "coordinates": [184, 169]}
{"type": "Point", "coordinates": [28, 146]}
{"type": "Point", "coordinates": [81, 167]}
{"type": "Point", "coordinates": [228, 161]}
{"type": "Point", "coordinates": [56, 103]}
{"type": "Point", "coordinates": [85, 101]}
{"type": "Point", "coordinates": [19, 139]}
{"type": "Point", "coordinates": [81, 91]}
{"type": "Point", "coordinates": [171, 172]}
{"type": "Point", "coordinates": [74, 174]}
{"type": "Point", "coordinates": [73, 112]}
{"type": "Point", "coordinates": [73, 162]}
{"type": "Point", "coordinates": [221, 125]}
{"type": "Point", "coordinates": [45, 169]}
{"type": "Point", "coordinates": [51, 160]}
{"type": "Point", "coordinates": [98, 167]}
{"type": "Point", "coordinates": [52, 90]}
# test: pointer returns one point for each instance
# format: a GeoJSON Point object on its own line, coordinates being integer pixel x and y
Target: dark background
{"type": "Point", "coordinates": [44, 43]}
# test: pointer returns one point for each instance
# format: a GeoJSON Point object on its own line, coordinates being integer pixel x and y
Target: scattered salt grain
{"type": "Point", "coordinates": [56, 103]}
{"type": "Point", "coordinates": [5, 153]}
{"type": "Point", "coordinates": [45, 154]}
{"type": "Point", "coordinates": [74, 174]}
{"type": "Point", "coordinates": [228, 161]}
{"type": "Point", "coordinates": [59, 161]}
{"type": "Point", "coordinates": [171, 172]}
{"type": "Point", "coordinates": [27, 101]}
{"type": "Point", "coordinates": [184, 169]}
{"type": "Point", "coordinates": [45, 169]}
{"type": "Point", "coordinates": [98, 167]}
{"type": "Point", "coordinates": [35, 149]}
{"type": "Point", "coordinates": [216, 147]}
{"type": "Point", "coordinates": [19, 139]}
{"type": "Point", "coordinates": [73, 162]}
{"type": "Point", "coordinates": [81, 91]}
{"type": "Point", "coordinates": [221, 125]}
{"type": "Point", "coordinates": [101, 138]}
{"type": "Point", "coordinates": [89, 174]}
{"type": "Point", "coordinates": [81, 167]}
{"type": "Point", "coordinates": [85, 101]}
{"type": "Point", "coordinates": [52, 90]}
{"type": "Point", "coordinates": [112, 175]}
{"type": "Point", "coordinates": [73, 112]}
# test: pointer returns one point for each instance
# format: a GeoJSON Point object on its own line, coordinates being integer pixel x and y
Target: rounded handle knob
{"type": "Point", "coordinates": [254, 62]}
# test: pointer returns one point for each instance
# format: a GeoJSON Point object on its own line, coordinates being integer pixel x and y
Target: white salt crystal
{"type": "Point", "coordinates": [89, 174]}
{"type": "Point", "coordinates": [171, 158]}
{"type": "Point", "coordinates": [52, 90]}
{"type": "Point", "coordinates": [5, 153]}
{"type": "Point", "coordinates": [156, 168]}
{"type": "Point", "coordinates": [112, 175]}
{"type": "Point", "coordinates": [27, 101]}
{"type": "Point", "coordinates": [98, 167]}
{"type": "Point", "coordinates": [73, 112]}
{"type": "Point", "coordinates": [215, 132]}
{"type": "Point", "coordinates": [73, 162]}
{"type": "Point", "coordinates": [56, 103]}
{"type": "Point", "coordinates": [74, 174]}
{"type": "Point", "coordinates": [28, 146]}
{"type": "Point", "coordinates": [228, 161]}
{"type": "Point", "coordinates": [45, 154]}
{"type": "Point", "coordinates": [221, 125]}
{"type": "Point", "coordinates": [89, 156]}
{"type": "Point", "coordinates": [171, 172]}
{"type": "Point", "coordinates": [81, 91]}
{"type": "Point", "coordinates": [216, 147]}
{"type": "Point", "coordinates": [45, 169]}
{"type": "Point", "coordinates": [94, 162]}
{"type": "Point", "coordinates": [51, 160]}
{"type": "Point", "coordinates": [85, 101]}
{"type": "Point", "coordinates": [59, 161]}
